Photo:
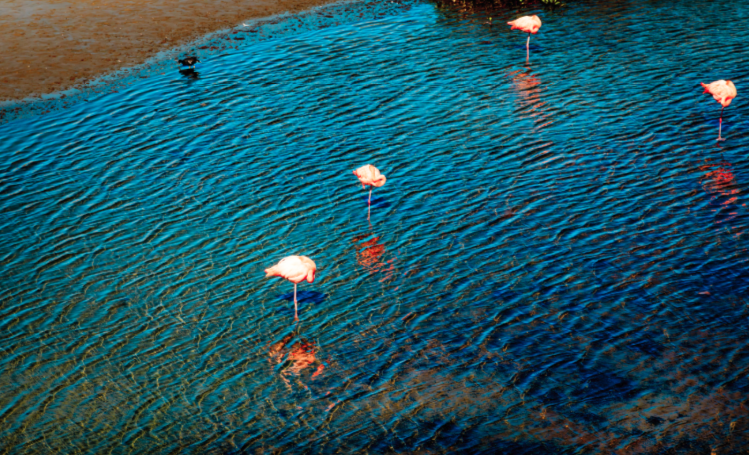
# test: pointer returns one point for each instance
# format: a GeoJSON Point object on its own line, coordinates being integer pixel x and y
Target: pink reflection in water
{"type": "Point", "coordinates": [369, 254]}
{"type": "Point", "coordinates": [719, 181]}
{"type": "Point", "coordinates": [300, 356]}
{"type": "Point", "coordinates": [528, 88]}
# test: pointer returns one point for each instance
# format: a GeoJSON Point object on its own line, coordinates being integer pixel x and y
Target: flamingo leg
{"type": "Point", "coordinates": [528, 49]}
{"type": "Point", "coordinates": [369, 202]}
{"type": "Point", "coordinates": [720, 124]}
{"type": "Point", "coordinates": [296, 316]}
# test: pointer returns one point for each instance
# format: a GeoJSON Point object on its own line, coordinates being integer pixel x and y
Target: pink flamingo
{"type": "Point", "coordinates": [527, 24]}
{"type": "Point", "coordinates": [723, 92]}
{"type": "Point", "coordinates": [370, 175]}
{"type": "Point", "coordinates": [294, 269]}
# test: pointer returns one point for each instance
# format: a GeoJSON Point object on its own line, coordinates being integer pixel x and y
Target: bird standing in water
{"type": "Point", "coordinates": [188, 61]}
{"type": "Point", "coordinates": [370, 175]}
{"type": "Point", "coordinates": [723, 92]}
{"type": "Point", "coordinates": [528, 24]}
{"type": "Point", "coordinates": [295, 269]}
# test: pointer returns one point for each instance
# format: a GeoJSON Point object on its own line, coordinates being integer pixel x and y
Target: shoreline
{"type": "Point", "coordinates": [55, 47]}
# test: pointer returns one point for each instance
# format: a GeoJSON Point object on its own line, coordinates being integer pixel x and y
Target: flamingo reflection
{"type": "Point", "coordinates": [369, 254]}
{"type": "Point", "coordinates": [528, 87]}
{"type": "Point", "coordinates": [718, 178]}
{"type": "Point", "coordinates": [525, 83]}
{"type": "Point", "coordinates": [296, 358]}
{"type": "Point", "coordinates": [719, 183]}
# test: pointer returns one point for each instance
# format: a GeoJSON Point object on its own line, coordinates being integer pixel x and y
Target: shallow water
{"type": "Point", "coordinates": [557, 263]}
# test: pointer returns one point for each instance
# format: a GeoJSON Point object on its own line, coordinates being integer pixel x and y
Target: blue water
{"type": "Point", "coordinates": [557, 263]}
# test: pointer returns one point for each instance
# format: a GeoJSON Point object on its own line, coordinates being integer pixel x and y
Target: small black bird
{"type": "Point", "coordinates": [188, 61]}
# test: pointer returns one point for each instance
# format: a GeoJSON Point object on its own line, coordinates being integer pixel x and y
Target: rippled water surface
{"type": "Point", "coordinates": [557, 263]}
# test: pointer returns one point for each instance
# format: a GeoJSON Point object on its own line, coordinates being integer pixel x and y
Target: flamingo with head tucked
{"type": "Point", "coordinates": [295, 269]}
{"type": "Point", "coordinates": [370, 175]}
{"type": "Point", "coordinates": [723, 92]}
{"type": "Point", "coordinates": [527, 24]}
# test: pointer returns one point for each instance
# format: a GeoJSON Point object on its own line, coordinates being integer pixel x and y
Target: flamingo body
{"type": "Point", "coordinates": [295, 269]}
{"type": "Point", "coordinates": [370, 175]}
{"type": "Point", "coordinates": [527, 24]}
{"type": "Point", "coordinates": [723, 92]}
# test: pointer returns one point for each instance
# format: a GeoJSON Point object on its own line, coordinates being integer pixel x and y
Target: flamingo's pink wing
{"type": "Point", "coordinates": [379, 180]}
{"type": "Point", "coordinates": [527, 24]}
{"type": "Point", "coordinates": [272, 271]}
{"type": "Point", "coordinates": [367, 174]}
{"type": "Point", "coordinates": [291, 268]}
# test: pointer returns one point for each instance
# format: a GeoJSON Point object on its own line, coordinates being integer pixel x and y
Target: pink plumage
{"type": "Point", "coordinates": [370, 175]}
{"type": "Point", "coordinates": [295, 269]}
{"type": "Point", "coordinates": [527, 24]}
{"type": "Point", "coordinates": [722, 91]}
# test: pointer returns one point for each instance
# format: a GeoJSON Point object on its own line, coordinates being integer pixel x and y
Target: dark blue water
{"type": "Point", "coordinates": [557, 263]}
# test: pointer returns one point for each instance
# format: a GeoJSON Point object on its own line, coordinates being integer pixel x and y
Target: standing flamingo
{"type": "Point", "coordinates": [723, 92]}
{"type": "Point", "coordinates": [370, 175]}
{"type": "Point", "coordinates": [294, 269]}
{"type": "Point", "coordinates": [527, 24]}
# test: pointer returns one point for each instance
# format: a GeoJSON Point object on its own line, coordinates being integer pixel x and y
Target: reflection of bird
{"type": "Point", "coordinates": [370, 253]}
{"type": "Point", "coordinates": [189, 73]}
{"type": "Point", "coordinates": [301, 355]}
{"type": "Point", "coordinates": [527, 24]}
{"type": "Point", "coordinates": [528, 88]}
{"type": "Point", "coordinates": [723, 92]}
{"type": "Point", "coordinates": [719, 183]}
{"type": "Point", "coordinates": [295, 269]}
{"type": "Point", "coordinates": [370, 175]}
{"type": "Point", "coordinates": [188, 61]}
{"type": "Point", "coordinates": [717, 180]}
{"type": "Point", "coordinates": [276, 350]}
{"type": "Point", "coordinates": [723, 177]}
{"type": "Point", "coordinates": [526, 84]}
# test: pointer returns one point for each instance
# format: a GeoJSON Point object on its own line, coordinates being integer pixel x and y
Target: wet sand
{"type": "Point", "coordinates": [53, 45]}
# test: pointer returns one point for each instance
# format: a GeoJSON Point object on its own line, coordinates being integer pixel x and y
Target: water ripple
{"type": "Point", "coordinates": [557, 263]}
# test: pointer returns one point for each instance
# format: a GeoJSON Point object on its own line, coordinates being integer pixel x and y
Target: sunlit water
{"type": "Point", "coordinates": [557, 263]}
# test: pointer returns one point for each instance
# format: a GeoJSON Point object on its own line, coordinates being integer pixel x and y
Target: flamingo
{"type": "Point", "coordinates": [370, 175]}
{"type": "Point", "coordinates": [294, 269]}
{"type": "Point", "coordinates": [723, 92]}
{"type": "Point", "coordinates": [527, 24]}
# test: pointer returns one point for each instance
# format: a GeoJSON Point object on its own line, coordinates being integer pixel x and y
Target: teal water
{"type": "Point", "coordinates": [557, 263]}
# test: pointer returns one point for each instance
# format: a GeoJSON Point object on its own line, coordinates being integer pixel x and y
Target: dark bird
{"type": "Point", "coordinates": [188, 61]}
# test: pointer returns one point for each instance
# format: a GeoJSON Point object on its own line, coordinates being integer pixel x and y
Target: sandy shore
{"type": "Point", "coordinates": [53, 45]}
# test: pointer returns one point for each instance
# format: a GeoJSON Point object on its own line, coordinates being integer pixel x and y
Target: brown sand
{"type": "Point", "coordinates": [53, 45]}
